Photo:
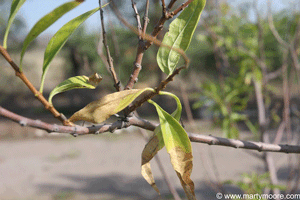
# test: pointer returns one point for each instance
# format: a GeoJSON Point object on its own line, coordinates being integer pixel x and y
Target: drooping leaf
{"type": "Point", "coordinates": [15, 7]}
{"type": "Point", "coordinates": [60, 38]}
{"type": "Point", "coordinates": [179, 36]}
{"type": "Point", "coordinates": [179, 147]}
{"type": "Point", "coordinates": [100, 110]}
{"type": "Point", "coordinates": [155, 144]}
{"type": "Point", "coordinates": [45, 22]}
{"type": "Point", "coordinates": [76, 82]}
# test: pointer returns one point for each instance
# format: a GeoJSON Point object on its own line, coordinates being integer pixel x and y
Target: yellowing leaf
{"type": "Point", "coordinates": [155, 144]}
{"type": "Point", "coordinates": [100, 110]}
{"type": "Point", "coordinates": [183, 164]}
{"type": "Point", "coordinates": [179, 147]}
{"type": "Point", "coordinates": [76, 82]}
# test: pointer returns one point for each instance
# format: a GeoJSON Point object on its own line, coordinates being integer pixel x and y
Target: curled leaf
{"type": "Point", "coordinates": [179, 36]}
{"type": "Point", "coordinates": [100, 110]}
{"type": "Point", "coordinates": [76, 82]}
{"type": "Point", "coordinates": [45, 22]}
{"type": "Point", "coordinates": [15, 7]}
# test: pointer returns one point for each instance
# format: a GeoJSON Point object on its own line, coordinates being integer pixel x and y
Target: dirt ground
{"type": "Point", "coordinates": [108, 167]}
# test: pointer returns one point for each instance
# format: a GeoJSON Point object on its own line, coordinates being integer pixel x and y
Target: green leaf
{"type": "Point", "coordinates": [100, 110]}
{"type": "Point", "coordinates": [179, 36]}
{"type": "Point", "coordinates": [173, 133]}
{"type": "Point", "coordinates": [76, 82]}
{"type": "Point", "coordinates": [45, 22]}
{"type": "Point", "coordinates": [15, 7]}
{"type": "Point", "coordinates": [60, 38]}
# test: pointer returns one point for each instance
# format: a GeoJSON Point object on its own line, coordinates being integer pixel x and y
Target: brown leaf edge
{"type": "Point", "coordinates": [150, 150]}
{"type": "Point", "coordinates": [183, 164]}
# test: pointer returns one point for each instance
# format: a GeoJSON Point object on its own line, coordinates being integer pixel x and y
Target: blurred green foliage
{"type": "Point", "coordinates": [226, 47]}
{"type": "Point", "coordinates": [255, 184]}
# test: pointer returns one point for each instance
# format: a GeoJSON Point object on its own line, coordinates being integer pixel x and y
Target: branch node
{"type": "Point", "coordinates": [23, 123]}
{"type": "Point", "coordinates": [55, 128]}
{"type": "Point", "coordinates": [136, 80]}
{"type": "Point", "coordinates": [117, 85]}
{"type": "Point", "coordinates": [97, 132]}
{"type": "Point", "coordinates": [74, 134]}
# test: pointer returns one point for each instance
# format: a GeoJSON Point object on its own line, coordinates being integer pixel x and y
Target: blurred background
{"type": "Point", "coordinates": [242, 83]}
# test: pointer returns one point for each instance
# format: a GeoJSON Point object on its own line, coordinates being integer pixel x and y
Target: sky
{"type": "Point", "coordinates": [33, 10]}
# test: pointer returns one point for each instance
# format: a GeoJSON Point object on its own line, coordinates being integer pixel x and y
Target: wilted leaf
{"type": "Point", "coordinates": [76, 82]}
{"type": "Point", "coordinates": [179, 147]}
{"type": "Point", "coordinates": [155, 144]}
{"type": "Point", "coordinates": [100, 110]}
{"type": "Point", "coordinates": [179, 36]}
{"type": "Point", "coordinates": [45, 22]}
{"type": "Point", "coordinates": [15, 7]}
{"type": "Point", "coordinates": [183, 165]}
{"type": "Point", "coordinates": [60, 38]}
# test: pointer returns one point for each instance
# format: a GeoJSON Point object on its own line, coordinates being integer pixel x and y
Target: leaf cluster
{"type": "Point", "coordinates": [170, 132]}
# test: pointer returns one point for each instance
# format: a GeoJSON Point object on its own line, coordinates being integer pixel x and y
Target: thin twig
{"type": "Point", "coordinates": [171, 4]}
{"type": "Point", "coordinates": [180, 8]}
{"type": "Point", "coordinates": [146, 18]}
{"type": "Point", "coordinates": [141, 50]}
{"type": "Point", "coordinates": [36, 93]}
{"type": "Point", "coordinates": [163, 3]}
{"type": "Point", "coordinates": [165, 16]}
{"type": "Point", "coordinates": [115, 42]}
{"type": "Point", "coordinates": [138, 19]}
{"type": "Point", "coordinates": [108, 56]}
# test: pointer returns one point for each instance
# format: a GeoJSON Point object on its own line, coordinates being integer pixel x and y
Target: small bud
{"type": "Point", "coordinates": [95, 79]}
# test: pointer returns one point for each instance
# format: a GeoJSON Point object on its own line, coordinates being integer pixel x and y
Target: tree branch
{"type": "Point", "coordinates": [135, 121]}
{"type": "Point", "coordinates": [259, 146]}
{"type": "Point", "coordinates": [36, 93]}
{"type": "Point", "coordinates": [145, 18]}
{"type": "Point", "coordinates": [138, 19]}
